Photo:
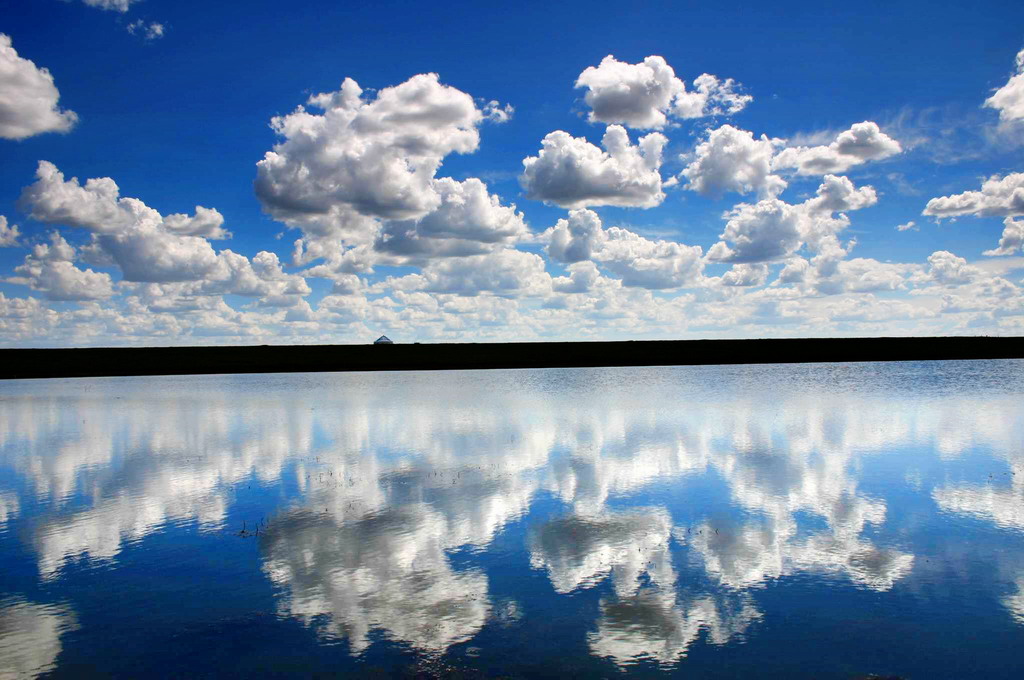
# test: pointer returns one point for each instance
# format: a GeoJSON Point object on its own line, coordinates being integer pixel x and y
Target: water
{"type": "Point", "coordinates": [796, 521]}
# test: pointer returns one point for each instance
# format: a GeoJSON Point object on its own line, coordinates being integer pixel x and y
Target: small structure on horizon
{"type": "Point", "coordinates": [383, 340]}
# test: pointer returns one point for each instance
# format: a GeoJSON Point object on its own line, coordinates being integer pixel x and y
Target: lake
{"type": "Point", "coordinates": [790, 521]}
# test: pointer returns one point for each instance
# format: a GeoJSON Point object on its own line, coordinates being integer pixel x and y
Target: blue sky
{"type": "Point", "coordinates": [763, 203]}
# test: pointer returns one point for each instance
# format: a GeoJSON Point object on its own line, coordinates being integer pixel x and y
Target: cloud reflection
{"type": "Point", "coordinates": [30, 637]}
{"type": "Point", "coordinates": [389, 474]}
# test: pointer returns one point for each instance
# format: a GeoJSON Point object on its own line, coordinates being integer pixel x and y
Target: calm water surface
{"type": "Point", "coordinates": [796, 521]}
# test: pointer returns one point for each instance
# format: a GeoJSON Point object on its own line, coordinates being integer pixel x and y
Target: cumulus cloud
{"type": "Point", "coordinates": [581, 279]}
{"type": "Point", "coordinates": [467, 221]}
{"type": "Point", "coordinates": [1010, 242]}
{"type": "Point", "coordinates": [997, 198]}
{"type": "Point", "coordinates": [731, 159]}
{"type": "Point", "coordinates": [638, 261]}
{"type": "Point", "coordinates": [1009, 99]}
{"type": "Point", "coordinates": [907, 226]}
{"type": "Point", "coordinates": [643, 263]}
{"type": "Point", "coordinates": [772, 229]}
{"type": "Point", "coordinates": [644, 95]}
{"type": "Point", "coordinates": [49, 269]}
{"type": "Point", "coordinates": [746, 275]}
{"type": "Point", "coordinates": [863, 142]}
{"type": "Point", "coordinates": [575, 239]}
{"type": "Point", "coordinates": [148, 247]}
{"type": "Point", "coordinates": [764, 231]}
{"type": "Point", "coordinates": [496, 113]}
{"type": "Point", "coordinates": [365, 157]}
{"type": "Point", "coordinates": [8, 233]}
{"type": "Point", "coordinates": [837, 194]}
{"type": "Point", "coordinates": [570, 172]}
{"type": "Point", "coordinates": [503, 272]}
{"type": "Point", "coordinates": [637, 95]}
{"type": "Point", "coordinates": [98, 207]}
{"type": "Point", "coordinates": [947, 269]}
{"type": "Point", "coordinates": [28, 97]}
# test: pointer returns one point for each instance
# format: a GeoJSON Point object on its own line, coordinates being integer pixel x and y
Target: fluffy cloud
{"type": "Point", "coordinates": [581, 279]}
{"type": "Point", "coordinates": [643, 95]}
{"type": "Point", "coordinates": [638, 261]}
{"type": "Point", "coordinates": [28, 97]}
{"type": "Point", "coordinates": [907, 226]}
{"type": "Point", "coordinates": [8, 233]}
{"type": "Point", "coordinates": [863, 142]}
{"type": "Point", "coordinates": [1011, 241]}
{"type": "Point", "coordinates": [643, 263]}
{"type": "Point", "coordinates": [947, 269]}
{"type": "Point", "coordinates": [1009, 99]}
{"type": "Point", "coordinates": [772, 229]}
{"type": "Point", "coordinates": [570, 172]}
{"type": "Point", "coordinates": [732, 160]}
{"type": "Point", "coordinates": [764, 231]}
{"type": "Point", "coordinates": [575, 239]}
{"type": "Point", "coordinates": [997, 198]}
{"type": "Point", "coordinates": [98, 207]}
{"type": "Point", "coordinates": [837, 194]}
{"type": "Point", "coordinates": [746, 275]}
{"type": "Point", "coordinates": [502, 272]}
{"type": "Point", "coordinates": [50, 270]}
{"type": "Point", "coordinates": [467, 221]}
{"type": "Point", "coordinates": [150, 248]}
{"type": "Point", "coordinates": [365, 157]}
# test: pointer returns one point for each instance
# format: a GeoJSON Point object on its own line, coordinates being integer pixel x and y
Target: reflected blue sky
{"type": "Point", "coordinates": [817, 520]}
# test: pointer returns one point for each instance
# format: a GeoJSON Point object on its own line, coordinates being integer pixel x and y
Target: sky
{"type": "Point", "coordinates": [187, 173]}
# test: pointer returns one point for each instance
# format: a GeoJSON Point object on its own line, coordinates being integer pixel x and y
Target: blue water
{"type": "Point", "coordinates": [791, 521]}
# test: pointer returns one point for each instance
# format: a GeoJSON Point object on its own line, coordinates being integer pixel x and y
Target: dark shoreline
{"type": "Point", "coordinates": [111, 361]}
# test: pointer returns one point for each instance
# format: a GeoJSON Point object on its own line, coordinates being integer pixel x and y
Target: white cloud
{"type": "Point", "coordinates": [644, 95]}
{"type": "Point", "coordinates": [502, 272]}
{"type": "Point", "coordinates": [637, 95]}
{"type": "Point", "coordinates": [767, 230]}
{"type": "Point", "coordinates": [643, 263]}
{"type": "Point", "coordinates": [151, 32]}
{"type": "Point", "coordinates": [997, 198]}
{"type": "Point", "coordinates": [746, 275]}
{"type": "Point", "coordinates": [638, 261]}
{"type": "Point", "coordinates": [150, 248]}
{"type": "Point", "coordinates": [365, 157]}
{"type": "Point", "coordinates": [863, 142]}
{"type": "Point", "coordinates": [907, 227]}
{"type": "Point", "coordinates": [731, 159]}
{"type": "Point", "coordinates": [1009, 99]}
{"type": "Point", "coordinates": [570, 172]}
{"type": "Point", "coordinates": [713, 97]}
{"type": "Point", "coordinates": [575, 239]}
{"type": "Point", "coordinates": [207, 222]}
{"type": "Point", "coordinates": [772, 229]}
{"type": "Point", "coordinates": [581, 279]}
{"type": "Point", "coordinates": [1010, 242]}
{"type": "Point", "coordinates": [8, 234]}
{"type": "Point", "coordinates": [837, 194]}
{"type": "Point", "coordinates": [467, 221]}
{"type": "Point", "coordinates": [114, 5]}
{"type": "Point", "coordinates": [28, 97]}
{"type": "Point", "coordinates": [50, 270]}
{"type": "Point", "coordinates": [98, 207]}
{"type": "Point", "coordinates": [496, 113]}
{"type": "Point", "coordinates": [948, 269]}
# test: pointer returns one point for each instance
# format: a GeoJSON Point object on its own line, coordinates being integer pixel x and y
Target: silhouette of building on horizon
{"type": "Point", "coordinates": [383, 340]}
